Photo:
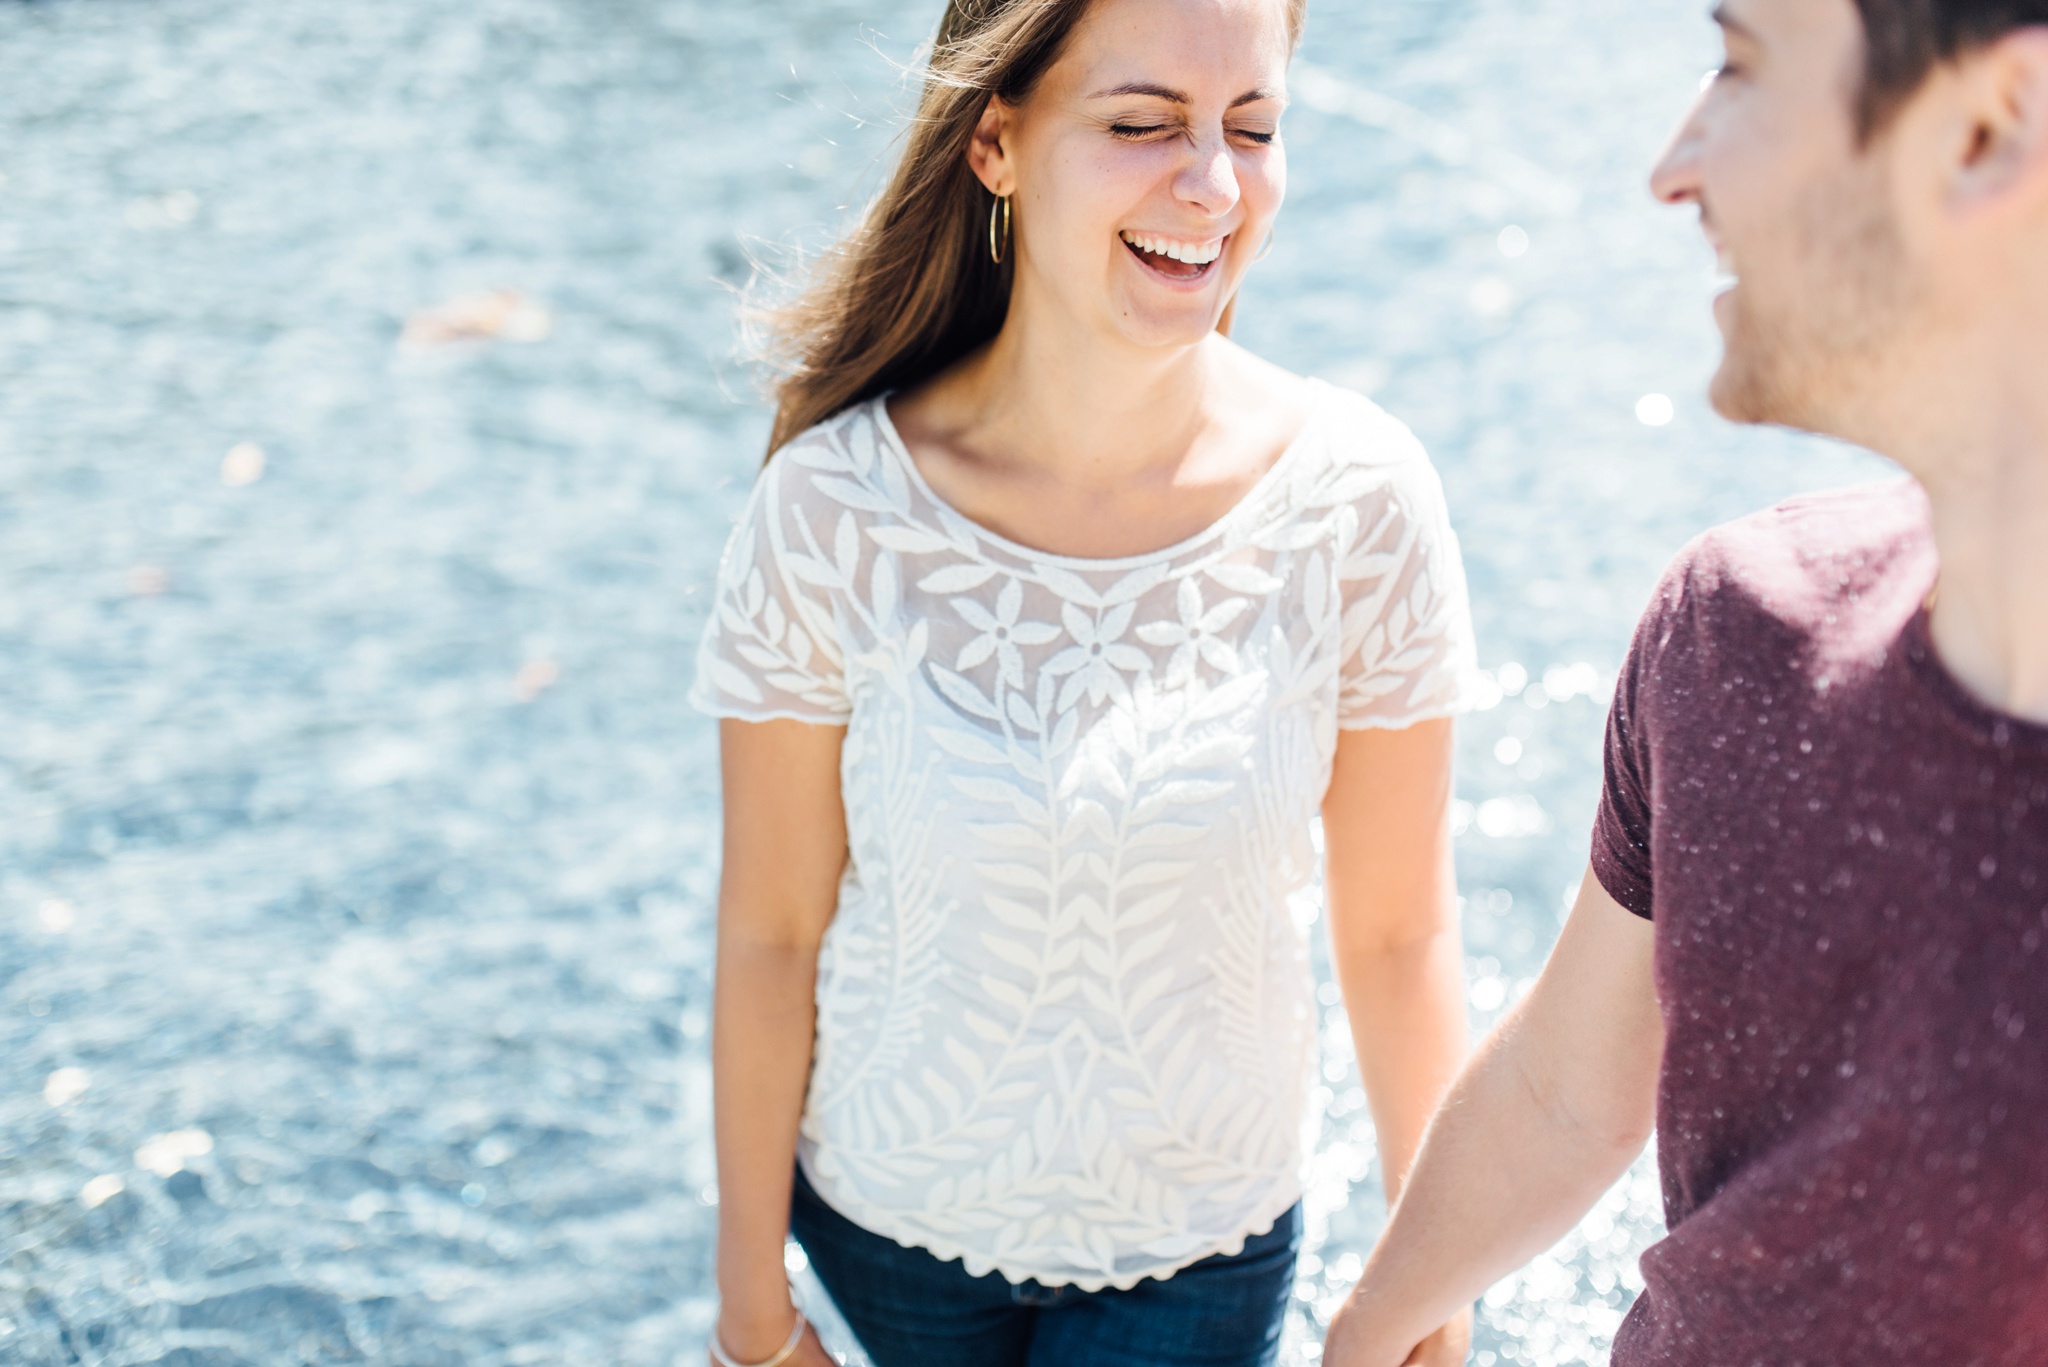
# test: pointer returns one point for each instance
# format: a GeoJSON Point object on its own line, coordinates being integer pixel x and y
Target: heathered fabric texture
{"type": "Point", "coordinates": [1846, 857]}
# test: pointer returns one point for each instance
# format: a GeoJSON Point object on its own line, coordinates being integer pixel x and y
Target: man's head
{"type": "Point", "coordinates": [1905, 40]}
{"type": "Point", "coordinates": [1873, 175]}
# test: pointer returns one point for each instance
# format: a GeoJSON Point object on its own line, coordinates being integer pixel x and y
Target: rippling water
{"type": "Point", "coordinates": [356, 847]}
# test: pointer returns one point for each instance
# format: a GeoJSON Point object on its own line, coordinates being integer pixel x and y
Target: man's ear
{"type": "Point", "coordinates": [2001, 147]}
{"type": "Point", "coordinates": [988, 151]}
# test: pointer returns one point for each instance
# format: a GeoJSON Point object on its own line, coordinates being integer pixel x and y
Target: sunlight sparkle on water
{"type": "Point", "coordinates": [66, 1085]}
{"type": "Point", "coordinates": [243, 464]}
{"type": "Point", "coordinates": [165, 1154]}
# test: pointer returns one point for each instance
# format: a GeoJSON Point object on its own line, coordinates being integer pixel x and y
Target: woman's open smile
{"type": "Point", "coordinates": [1181, 260]}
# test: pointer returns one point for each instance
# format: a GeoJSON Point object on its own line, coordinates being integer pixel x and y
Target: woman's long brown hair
{"type": "Point", "coordinates": [913, 288]}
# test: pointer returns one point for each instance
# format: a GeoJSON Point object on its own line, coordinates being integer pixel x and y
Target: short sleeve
{"type": "Point", "coordinates": [771, 646]}
{"type": "Point", "coordinates": [1622, 826]}
{"type": "Point", "coordinates": [1408, 643]}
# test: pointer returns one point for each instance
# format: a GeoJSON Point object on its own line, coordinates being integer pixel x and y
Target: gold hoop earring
{"type": "Point", "coordinates": [998, 248]}
{"type": "Point", "coordinates": [1266, 250]}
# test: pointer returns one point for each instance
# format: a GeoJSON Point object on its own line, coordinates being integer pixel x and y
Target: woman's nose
{"type": "Point", "coordinates": [1209, 180]}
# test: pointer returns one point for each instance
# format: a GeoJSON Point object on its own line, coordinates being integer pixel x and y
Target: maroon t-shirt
{"type": "Point", "coordinates": [1846, 857]}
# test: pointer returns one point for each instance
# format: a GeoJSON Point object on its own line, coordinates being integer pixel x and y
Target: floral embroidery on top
{"type": "Point", "coordinates": [1065, 1029]}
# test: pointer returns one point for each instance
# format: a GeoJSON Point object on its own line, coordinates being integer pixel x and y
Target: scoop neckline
{"type": "Point", "coordinates": [899, 451]}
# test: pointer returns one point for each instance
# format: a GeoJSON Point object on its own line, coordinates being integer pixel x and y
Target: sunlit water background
{"type": "Point", "coordinates": [356, 846]}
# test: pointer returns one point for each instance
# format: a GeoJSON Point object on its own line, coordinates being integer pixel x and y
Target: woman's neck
{"type": "Point", "coordinates": [1077, 408]}
{"type": "Point", "coordinates": [1096, 448]}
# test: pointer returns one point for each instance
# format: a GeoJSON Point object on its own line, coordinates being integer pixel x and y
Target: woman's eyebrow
{"type": "Point", "coordinates": [1163, 92]}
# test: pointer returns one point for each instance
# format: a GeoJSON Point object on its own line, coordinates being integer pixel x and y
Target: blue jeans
{"type": "Point", "coordinates": [909, 1309]}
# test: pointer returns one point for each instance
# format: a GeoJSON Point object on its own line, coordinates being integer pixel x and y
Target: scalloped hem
{"type": "Point", "coordinates": [1407, 719]}
{"type": "Point", "coordinates": [878, 1221]}
{"type": "Point", "coordinates": [1464, 701]}
{"type": "Point", "coordinates": [719, 710]}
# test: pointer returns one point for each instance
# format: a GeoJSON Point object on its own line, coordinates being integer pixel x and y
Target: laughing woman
{"type": "Point", "coordinates": [1054, 621]}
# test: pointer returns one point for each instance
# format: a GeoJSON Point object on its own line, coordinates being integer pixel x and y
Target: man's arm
{"type": "Point", "coordinates": [1552, 1109]}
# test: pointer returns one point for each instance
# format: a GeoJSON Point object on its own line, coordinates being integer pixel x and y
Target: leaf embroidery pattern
{"type": "Point", "coordinates": [1064, 1022]}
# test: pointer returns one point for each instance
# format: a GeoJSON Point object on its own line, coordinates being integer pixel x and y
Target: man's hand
{"type": "Point", "coordinates": [1447, 1347]}
{"type": "Point", "coordinates": [1352, 1343]}
{"type": "Point", "coordinates": [1551, 1110]}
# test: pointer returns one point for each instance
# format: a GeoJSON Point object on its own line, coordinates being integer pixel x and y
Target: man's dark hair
{"type": "Point", "coordinates": [1905, 40]}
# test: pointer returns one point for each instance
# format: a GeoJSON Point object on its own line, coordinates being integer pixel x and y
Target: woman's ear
{"type": "Point", "coordinates": [988, 152]}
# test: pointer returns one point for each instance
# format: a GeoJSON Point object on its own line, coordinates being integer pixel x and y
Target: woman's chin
{"type": "Point", "coordinates": [1164, 337]}
{"type": "Point", "coordinates": [1168, 323]}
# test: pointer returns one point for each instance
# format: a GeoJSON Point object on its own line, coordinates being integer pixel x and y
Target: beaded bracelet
{"type": "Point", "coordinates": [725, 1359]}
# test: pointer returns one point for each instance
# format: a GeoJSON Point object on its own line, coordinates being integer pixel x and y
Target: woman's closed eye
{"type": "Point", "coordinates": [1139, 132]}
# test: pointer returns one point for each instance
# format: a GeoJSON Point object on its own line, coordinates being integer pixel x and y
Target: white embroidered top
{"type": "Point", "coordinates": [1065, 1022]}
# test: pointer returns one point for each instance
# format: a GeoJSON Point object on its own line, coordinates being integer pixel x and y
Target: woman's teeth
{"type": "Point", "coordinates": [1189, 253]}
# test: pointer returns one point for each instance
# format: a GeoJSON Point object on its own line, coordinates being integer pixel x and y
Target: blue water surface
{"type": "Point", "coordinates": [357, 849]}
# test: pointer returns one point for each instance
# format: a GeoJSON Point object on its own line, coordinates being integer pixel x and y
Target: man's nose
{"type": "Point", "coordinates": [1675, 179]}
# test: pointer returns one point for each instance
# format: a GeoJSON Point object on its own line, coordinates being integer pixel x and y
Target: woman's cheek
{"type": "Point", "coordinates": [1113, 193]}
{"type": "Point", "coordinates": [1264, 182]}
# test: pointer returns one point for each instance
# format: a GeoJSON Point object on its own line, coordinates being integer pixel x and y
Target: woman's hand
{"type": "Point", "coordinates": [1447, 1347]}
{"type": "Point", "coordinates": [811, 1352]}
{"type": "Point", "coordinates": [743, 1348]}
{"type": "Point", "coordinates": [1353, 1343]}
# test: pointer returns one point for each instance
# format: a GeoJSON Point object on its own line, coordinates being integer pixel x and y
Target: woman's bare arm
{"type": "Point", "coordinates": [785, 848]}
{"type": "Point", "coordinates": [1394, 926]}
{"type": "Point", "coordinates": [1394, 935]}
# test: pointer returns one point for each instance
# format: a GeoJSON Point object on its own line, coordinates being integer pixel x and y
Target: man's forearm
{"type": "Point", "coordinates": [1504, 1171]}
{"type": "Point", "coordinates": [1553, 1107]}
